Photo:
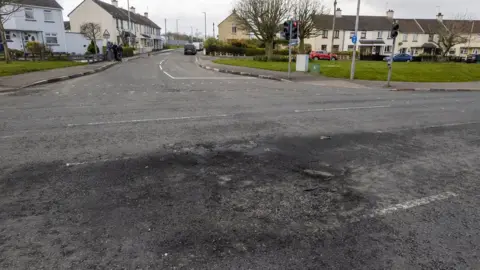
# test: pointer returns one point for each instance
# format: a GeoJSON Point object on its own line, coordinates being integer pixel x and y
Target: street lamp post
{"type": "Point", "coordinates": [205, 13]}
{"type": "Point", "coordinates": [129, 22]}
{"type": "Point", "coordinates": [177, 33]}
{"type": "Point", "coordinates": [333, 27]}
{"type": "Point", "coordinates": [352, 68]}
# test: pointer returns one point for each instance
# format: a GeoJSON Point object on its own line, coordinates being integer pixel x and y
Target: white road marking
{"type": "Point", "coordinates": [148, 120]}
{"type": "Point", "coordinates": [404, 206]}
{"type": "Point", "coordinates": [339, 109]}
{"type": "Point", "coordinates": [410, 204]}
{"type": "Point", "coordinates": [166, 73]}
{"type": "Point", "coordinates": [71, 164]}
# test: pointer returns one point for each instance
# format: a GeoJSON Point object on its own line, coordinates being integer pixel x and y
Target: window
{"type": "Point", "coordinates": [352, 34]}
{"type": "Point", "coordinates": [350, 48]}
{"type": "Point", "coordinates": [405, 37]}
{"type": "Point", "coordinates": [389, 35]}
{"type": "Point", "coordinates": [336, 48]}
{"type": "Point", "coordinates": [430, 37]}
{"type": "Point", "coordinates": [463, 51]}
{"type": "Point", "coordinates": [452, 51]}
{"type": "Point", "coordinates": [388, 49]}
{"type": "Point", "coordinates": [324, 47]}
{"type": "Point", "coordinates": [325, 34]}
{"type": "Point", "coordinates": [29, 14]}
{"type": "Point", "coordinates": [25, 37]}
{"type": "Point", "coordinates": [51, 38]}
{"type": "Point", "coordinates": [415, 37]}
{"type": "Point", "coordinates": [379, 35]}
{"type": "Point", "coordinates": [48, 15]}
{"type": "Point", "coordinates": [336, 34]}
{"type": "Point", "coordinates": [7, 35]}
{"type": "Point", "coordinates": [475, 51]}
{"type": "Point", "coordinates": [363, 35]}
{"type": "Point", "coordinates": [117, 24]}
{"type": "Point", "coordinates": [234, 28]}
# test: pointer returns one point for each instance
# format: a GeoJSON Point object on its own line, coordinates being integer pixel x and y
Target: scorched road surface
{"type": "Point", "coordinates": [158, 164]}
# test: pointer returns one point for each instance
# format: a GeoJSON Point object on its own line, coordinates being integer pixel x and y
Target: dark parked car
{"type": "Point", "coordinates": [401, 57]}
{"type": "Point", "coordinates": [189, 49]}
{"type": "Point", "coordinates": [472, 58]}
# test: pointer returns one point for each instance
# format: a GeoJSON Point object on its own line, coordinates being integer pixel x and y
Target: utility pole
{"type": "Point", "coordinates": [191, 34]}
{"type": "Point", "coordinates": [215, 37]}
{"type": "Point", "coordinates": [205, 13]}
{"type": "Point", "coordinates": [290, 23]}
{"type": "Point", "coordinates": [129, 22]}
{"type": "Point", "coordinates": [352, 68]}
{"type": "Point", "coordinates": [177, 33]}
{"type": "Point", "coordinates": [333, 27]}
{"type": "Point", "coordinates": [166, 29]}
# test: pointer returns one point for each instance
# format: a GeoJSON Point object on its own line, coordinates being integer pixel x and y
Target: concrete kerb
{"type": "Point", "coordinates": [73, 76]}
{"type": "Point", "coordinates": [241, 73]}
{"type": "Point", "coordinates": [62, 78]}
{"type": "Point", "coordinates": [433, 90]}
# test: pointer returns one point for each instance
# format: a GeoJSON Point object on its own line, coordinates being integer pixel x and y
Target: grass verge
{"type": "Point", "coordinates": [20, 67]}
{"type": "Point", "coordinates": [377, 71]}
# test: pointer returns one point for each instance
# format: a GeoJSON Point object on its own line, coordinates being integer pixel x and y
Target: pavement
{"type": "Point", "coordinates": [206, 62]}
{"type": "Point", "coordinates": [159, 164]}
{"type": "Point", "coordinates": [16, 82]}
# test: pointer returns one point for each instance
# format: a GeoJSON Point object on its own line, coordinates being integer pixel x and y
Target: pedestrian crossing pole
{"type": "Point", "coordinates": [290, 48]}
{"type": "Point", "coordinates": [393, 34]}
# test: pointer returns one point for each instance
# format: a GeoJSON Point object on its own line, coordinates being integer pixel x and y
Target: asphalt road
{"type": "Point", "coordinates": [158, 164]}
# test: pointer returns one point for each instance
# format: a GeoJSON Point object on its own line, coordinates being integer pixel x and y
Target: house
{"type": "Point", "coordinates": [141, 33]}
{"type": "Point", "coordinates": [416, 36]}
{"type": "Point", "coordinates": [229, 29]}
{"type": "Point", "coordinates": [36, 20]}
{"type": "Point", "coordinates": [373, 33]}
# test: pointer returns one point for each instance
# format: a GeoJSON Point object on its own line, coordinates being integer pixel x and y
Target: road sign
{"type": "Point", "coordinates": [106, 34]}
{"type": "Point", "coordinates": [293, 42]}
{"type": "Point", "coordinates": [354, 39]}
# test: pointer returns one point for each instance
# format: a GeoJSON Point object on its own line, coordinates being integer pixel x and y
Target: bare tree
{"type": "Point", "coordinates": [91, 31]}
{"type": "Point", "coordinates": [305, 12]}
{"type": "Point", "coordinates": [263, 18]}
{"type": "Point", "coordinates": [7, 8]}
{"type": "Point", "coordinates": [451, 32]}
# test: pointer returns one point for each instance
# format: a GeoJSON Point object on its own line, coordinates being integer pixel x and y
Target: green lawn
{"type": "Point", "coordinates": [375, 70]}
{"type": "Point", "coordinates": [20, 67]}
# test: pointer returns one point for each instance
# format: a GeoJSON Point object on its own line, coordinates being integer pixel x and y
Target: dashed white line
{"type": "Point", "coordinates": [340, 109]}
{"type": "Point", "coordinates": [148, 120]}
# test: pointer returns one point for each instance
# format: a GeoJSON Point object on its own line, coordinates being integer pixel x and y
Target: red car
{"type": "Point", "coordinates": [321, 55]}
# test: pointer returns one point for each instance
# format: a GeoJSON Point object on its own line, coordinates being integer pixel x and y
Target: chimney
{"type": "Point", "coordinates": [338, 13]}
{"type": "Point", "coordinates": [390, 14]}
{"type": "Point", "coordinates": [115, 3]}
{"type": "Point", "coordinates": [132, 9]}
{"type": "Point", "coordinates": [440, 17]}
{"type": "Point", "coordinates": [146, 14]}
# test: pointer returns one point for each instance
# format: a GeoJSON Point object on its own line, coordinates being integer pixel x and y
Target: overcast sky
{"type": "Point", "coordinates": [189, 12]}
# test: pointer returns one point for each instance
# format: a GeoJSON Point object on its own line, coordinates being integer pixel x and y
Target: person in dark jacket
{"type": "Point", "coordinates": [115, 51]}
{"type": "Point", "coordinates": [120, 52]}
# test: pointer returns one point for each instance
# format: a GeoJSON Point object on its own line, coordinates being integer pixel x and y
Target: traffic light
{"type": "Point", "coordinates": [395, 28]}
{"type": "Point", "coordinates": [286, 30]}
{"type": "Point", "coordinates": [295, 30]}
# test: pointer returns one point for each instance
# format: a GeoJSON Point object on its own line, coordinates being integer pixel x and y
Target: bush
{"type": "Point", "coordinates": [16, 53]}
{"type": "Point", "coordinates": [254, 51]}
{"type": "Point", "coordinates": [128, 51]}
{"type": "Point", "coordinates": [91, 48]}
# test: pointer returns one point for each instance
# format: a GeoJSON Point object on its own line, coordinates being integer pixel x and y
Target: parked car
{"type": "Point", "coordinates": [401, 57]}
{"type": "Point", "coordinates": [189, 49]}
{"type": "Point", "coordinates": [472, 58]}
{"type": "Point", "coordinates": [322, 55]}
